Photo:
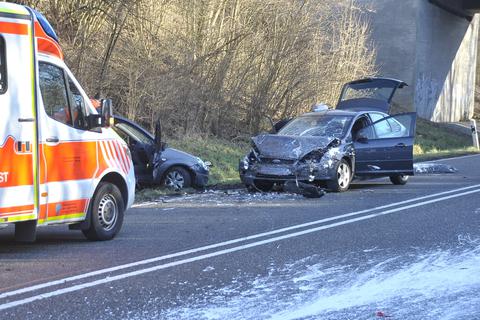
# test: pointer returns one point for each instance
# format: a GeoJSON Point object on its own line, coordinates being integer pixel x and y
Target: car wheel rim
{"type": "Point", "coordinates": [108, 212]}
{"type": "Point", "coordinates": [175, 180]}
{"type": "Point", "coordinates": [343, 175]}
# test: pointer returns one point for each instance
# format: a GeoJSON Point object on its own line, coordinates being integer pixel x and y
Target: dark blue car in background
{"type": "Point", "coordinates": [358, 139]}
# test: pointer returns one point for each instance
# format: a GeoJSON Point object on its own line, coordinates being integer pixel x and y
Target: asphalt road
{"type": "Point", "coordinates": [378, 250]}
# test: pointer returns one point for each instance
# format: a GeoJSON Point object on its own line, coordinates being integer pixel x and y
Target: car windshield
{"type": "Point", "coordinates": [317, 126]}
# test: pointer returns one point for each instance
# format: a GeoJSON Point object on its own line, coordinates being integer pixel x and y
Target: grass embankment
{"type": "Point", "coordinates": [435, 141]}
{"type": "Point", "coordinates": [432, 141]}
{"type": "Point", "coordinates": [223, 154]}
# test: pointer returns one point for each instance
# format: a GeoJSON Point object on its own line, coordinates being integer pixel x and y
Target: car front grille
{"type": "Point", "coordinates": [276, 161]}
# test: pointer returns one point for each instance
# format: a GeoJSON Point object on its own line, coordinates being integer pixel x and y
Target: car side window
{"type": "Point", "coordinates": [78, 106]}
{"type": "Point", "coordinates": [3, 67]}
{"type": "Point", "coordinates": [135, 135]}
{"type": "Point", "coordinates": [392, 127]}
{"type": "Point", "coordinates": [54, 93]}
{"type": "Point", "coordinates": [121, 133]}
{"type": "Point", "coordinates": [382, 129]}
{"type": "Point", "coordinates": [376, 117]}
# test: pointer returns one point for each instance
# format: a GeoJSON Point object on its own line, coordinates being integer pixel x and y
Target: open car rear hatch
{"type": "Point", "coordinates": [369, 94]}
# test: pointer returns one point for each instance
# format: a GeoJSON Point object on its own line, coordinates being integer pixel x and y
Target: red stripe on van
{"type": "Point", "coordinates": [14, 28]}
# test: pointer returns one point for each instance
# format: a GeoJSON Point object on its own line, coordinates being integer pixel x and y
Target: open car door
{"type": "Point", "coordinates": [385, 147]}
{"type": "Point", "coordinates": [373, 94]}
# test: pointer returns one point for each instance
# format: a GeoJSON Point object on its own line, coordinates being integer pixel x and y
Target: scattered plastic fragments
{"type": "Point", "coordinates": [305, 189]}
{"type": "Point", "coordinates": [222, 197]}
{"type": "Point", "coordinates": [381, 314]}
{"type": "Point", "coordinates": [433, 168]}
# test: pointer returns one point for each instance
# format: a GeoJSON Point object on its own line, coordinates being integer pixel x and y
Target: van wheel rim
{"type": "Point", "coordinates": [175, 180]}
{"type": "Point", "coordinates": [108, 212]}
{"type": "Point", "coordinates": [343, 175]}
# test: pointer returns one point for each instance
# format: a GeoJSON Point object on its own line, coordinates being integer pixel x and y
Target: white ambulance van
{"type": "Point", "coordinates": [60, 163]}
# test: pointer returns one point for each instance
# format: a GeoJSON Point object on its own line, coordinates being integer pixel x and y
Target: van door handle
{"type": "Point", "coordinates": [26, 120]}
{"type": "Point", "coordinates": [400, 145]}
{"type": "Point", "coordinates": [53, 139]}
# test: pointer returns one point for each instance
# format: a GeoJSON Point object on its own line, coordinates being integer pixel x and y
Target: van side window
{"type": "Point", "coordinates": [54, 93]}
{"type": "Point", "coordinates": [3, 66]}
{"type": "Point", "coordinates": [78, 106]}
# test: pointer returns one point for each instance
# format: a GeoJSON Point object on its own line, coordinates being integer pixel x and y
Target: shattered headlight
{"type": "Point", "coordinates": [250, 158]}
{"type": "Point", "coordinates": [314, 156]}
{"type": "Point", "coordinates": [202, 164]}
{"type": "Point", "coordinates": [244, 163]}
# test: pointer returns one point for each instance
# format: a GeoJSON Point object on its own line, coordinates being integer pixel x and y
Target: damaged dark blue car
{"type": "Point", "coordinates": [157, 164]}
{"type": "Point", "coordinates": [331, 147]}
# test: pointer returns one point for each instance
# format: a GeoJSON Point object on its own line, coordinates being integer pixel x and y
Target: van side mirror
{"type": "Point", "coordinates": [107, 113]}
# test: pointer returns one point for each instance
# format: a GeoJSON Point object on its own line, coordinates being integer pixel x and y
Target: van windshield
{"type": "Point", "coordinates": [318, 126]}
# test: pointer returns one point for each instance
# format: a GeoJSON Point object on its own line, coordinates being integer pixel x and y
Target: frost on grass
{"type": "Point", "coordinates": [440, 284]}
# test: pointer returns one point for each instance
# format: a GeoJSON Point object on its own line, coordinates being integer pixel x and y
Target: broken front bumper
{"type": "Point", "coordinates": [287, 172]}
{"type": "Point", "coordinates": [200, 179]}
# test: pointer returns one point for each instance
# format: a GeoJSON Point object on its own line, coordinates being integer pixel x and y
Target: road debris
{"type": "Point", "coordinates": [433, 168]}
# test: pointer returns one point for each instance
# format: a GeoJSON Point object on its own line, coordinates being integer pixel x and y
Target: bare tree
{"type": "Point", "coordinates": [213, 66]}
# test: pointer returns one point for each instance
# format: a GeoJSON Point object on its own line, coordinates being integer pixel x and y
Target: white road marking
{"type": "Point", "coordinates": [217, 245]}
{"type": "Point", "coordinates": [109, 279]}
{"type": "Point", "coordinates": [453, 158]}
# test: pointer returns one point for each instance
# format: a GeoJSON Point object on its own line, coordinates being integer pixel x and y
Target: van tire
{"type": "Point", "coordinates": [106, 212]}
{"type": "Point", "coordinates": [26, 231]}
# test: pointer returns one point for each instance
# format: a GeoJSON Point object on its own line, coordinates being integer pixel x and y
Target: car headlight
{"type": "Point", "coordinates": [314, 156]}
{"type": "Point", "coordinates": [245, 163]}
{"type": "Point", "coordinates": [202, 164]}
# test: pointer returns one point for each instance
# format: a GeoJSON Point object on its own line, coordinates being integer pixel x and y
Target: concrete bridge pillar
{"type": "Point", "coordinates": [432, 45]}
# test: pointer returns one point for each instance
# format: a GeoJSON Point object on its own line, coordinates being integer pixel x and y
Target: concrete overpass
{"type": "Point", "coordinates": [432, 45]}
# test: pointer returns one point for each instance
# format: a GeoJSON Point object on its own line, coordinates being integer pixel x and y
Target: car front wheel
{"type": "Point", "coordinates": [399, 179]}
{"type": "Point", "coordinates": [342, 179]}
{"type": "Point", "coordinates": [177, 178]}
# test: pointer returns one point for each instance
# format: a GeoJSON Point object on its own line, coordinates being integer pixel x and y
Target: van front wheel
{"type": "Point", "coordinates": [106, 213]}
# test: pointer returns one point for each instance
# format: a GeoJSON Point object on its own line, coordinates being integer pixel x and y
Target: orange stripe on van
{"type": "Point", "coordinates": [15, 210]}
{"type": "Point", "coordinates": [14, 28]}
{"type": "Point", "coordinates": [70, 161]}
{"type": "Point", "coordinates": [67, 207]}
{"type": "Point", "coordinates": [17, 166]}
{"type": "Point", "coordinates": [60, 209]}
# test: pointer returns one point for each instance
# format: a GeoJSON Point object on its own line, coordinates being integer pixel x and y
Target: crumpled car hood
{"type": "Point", "coordinates": [289, 147]}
